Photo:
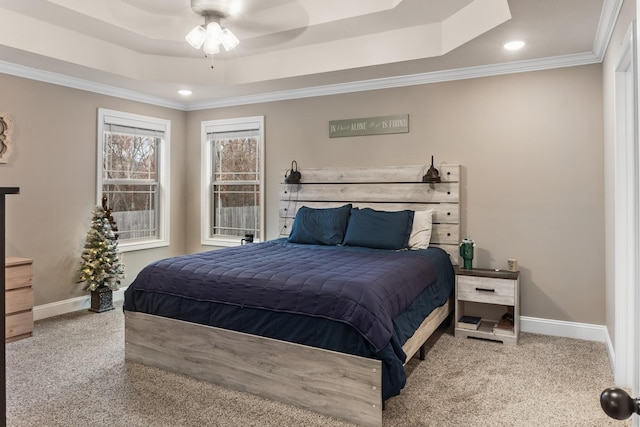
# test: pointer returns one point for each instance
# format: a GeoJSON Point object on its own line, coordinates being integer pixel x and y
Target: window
{"type": "Point", "coordinates": [232, 180]}
{"type": "Point", "coordinates": [133, 174]}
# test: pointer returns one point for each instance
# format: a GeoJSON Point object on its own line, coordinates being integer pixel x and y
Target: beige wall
{"type": "Point", "coordinates": [531, 149]}
{"type": "Point", "coordinates": [54, 164]}
{"type": "Point", "coordinates": [530, 146]}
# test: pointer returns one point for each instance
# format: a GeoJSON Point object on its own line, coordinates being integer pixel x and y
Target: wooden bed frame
{"type": "Point", "coordinates": [339, 385]}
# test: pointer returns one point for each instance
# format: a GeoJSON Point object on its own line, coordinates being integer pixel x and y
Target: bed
{"type": "Point", "coordinates": [320, 321]}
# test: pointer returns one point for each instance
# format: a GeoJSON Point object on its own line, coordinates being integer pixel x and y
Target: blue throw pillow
{"type": "Point", "coordinates": [320, 226]}
{"type": "Point", "coordinates": [379, 229]}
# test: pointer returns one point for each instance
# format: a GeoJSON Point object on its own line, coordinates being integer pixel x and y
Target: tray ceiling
{"type": "Point", "coordinates": [139, 45]}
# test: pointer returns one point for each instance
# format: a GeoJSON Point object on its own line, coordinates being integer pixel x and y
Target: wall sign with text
{"type": "Point", "coordinates": [369, 126]}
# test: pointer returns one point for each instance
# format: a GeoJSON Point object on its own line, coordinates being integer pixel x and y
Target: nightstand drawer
{"type": "Point", "coordinates": [486, 290]}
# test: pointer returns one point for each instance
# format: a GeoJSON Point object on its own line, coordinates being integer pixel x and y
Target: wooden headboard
{"type": "Point", "coordinates": [385, 188]}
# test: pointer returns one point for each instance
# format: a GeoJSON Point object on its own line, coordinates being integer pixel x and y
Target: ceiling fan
{"type": "Point", "coordinates": [211, 35]}
{"type": "Point", "coordinates": [261, 24]}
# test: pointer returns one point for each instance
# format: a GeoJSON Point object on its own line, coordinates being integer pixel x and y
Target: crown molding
{"type": "Point", "coordinates": [401, 81]}
{"type": "Point", "coordinates": [608, 18]}
{"type": "Point", "coordinates": [89, 86]}
{"type": "Point", "coordinates": [341, 88]}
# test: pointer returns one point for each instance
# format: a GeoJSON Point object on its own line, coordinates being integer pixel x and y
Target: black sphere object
{"type": "Point", "coordinates": [617, 403]}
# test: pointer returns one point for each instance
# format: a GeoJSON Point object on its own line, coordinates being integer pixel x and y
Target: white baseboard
{"type": "Point", "coordinates": [70, 305]}
{"type": "Point", "coordinates": [612, 352]}
{"type": "Point", "coordinates": [561, 328]}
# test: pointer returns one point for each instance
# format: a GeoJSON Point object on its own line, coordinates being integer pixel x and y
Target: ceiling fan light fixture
{"type": "Point", "coordinates": [214, 32]}
{"type": "Point", "coordinates": [210, 36]}
{"type": "Point", "coordinates": [196, 37]}
{"type": "Point", "coordinates": [229, 40]}
{"type": "Point", "coordinates": [213, 39]}
{"type": "Point", "coordinates": [211, 46]}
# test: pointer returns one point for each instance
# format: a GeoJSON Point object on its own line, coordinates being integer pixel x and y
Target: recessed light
{"type": "Point", "coordinates": [185, 92]}
{"type": "Point", "coordinates": [514, 45]}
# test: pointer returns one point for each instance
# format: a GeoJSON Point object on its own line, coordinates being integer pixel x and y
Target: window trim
{"type": "Point", "coordinates": [137, 120]}
{"type": "Point", "coordinates": [226, 125]}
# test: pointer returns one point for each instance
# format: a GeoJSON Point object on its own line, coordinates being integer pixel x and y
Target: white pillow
{"type": "Point", "coordinates": [421, 230]}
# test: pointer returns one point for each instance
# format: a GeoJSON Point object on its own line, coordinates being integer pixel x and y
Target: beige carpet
{"type": "Point", "coordinates": [73, 373]}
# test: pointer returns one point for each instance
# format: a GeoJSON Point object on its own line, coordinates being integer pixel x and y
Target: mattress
{"type": "Point", "coordinates": [360, 301]}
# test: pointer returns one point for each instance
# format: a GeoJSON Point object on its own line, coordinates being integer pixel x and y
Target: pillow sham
{"type": "Point", "coordinates": [379, 229]}
{"type": "Point", "coordinates": [421, 230]}
{"type": "Point", "coordinates": [320, 226]}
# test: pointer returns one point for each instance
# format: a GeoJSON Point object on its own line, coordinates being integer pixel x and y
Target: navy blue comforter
{"type": "Point", "coordinates": [357, 290]}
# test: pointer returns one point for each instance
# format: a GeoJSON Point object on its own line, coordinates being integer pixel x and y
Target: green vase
{"type": "Point", "coordinates": [466, 252]}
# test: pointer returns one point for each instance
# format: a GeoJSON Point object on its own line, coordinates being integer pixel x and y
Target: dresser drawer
{"type": "Point", "coordinates": [18, 300]}
{"type": "Point", "coordinates": [18, 324]}
{"type": "Point", "coordinates": [486, 290]}
{"type": "Point", "coordinates": [18, 276]}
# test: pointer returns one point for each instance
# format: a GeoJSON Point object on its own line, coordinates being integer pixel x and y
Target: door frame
{"type": "Point", "coordinates": [626, 216]}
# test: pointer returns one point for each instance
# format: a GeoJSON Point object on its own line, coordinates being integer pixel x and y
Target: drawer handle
{"type": "Point", "coordinates": [485, 290]}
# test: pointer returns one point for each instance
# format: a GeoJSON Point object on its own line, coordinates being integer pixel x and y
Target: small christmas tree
{"type": "Point", "coordinates": [101, 264]}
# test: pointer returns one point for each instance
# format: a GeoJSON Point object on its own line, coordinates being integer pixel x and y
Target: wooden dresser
{"type": "Point", "coordinates": [18, 298]}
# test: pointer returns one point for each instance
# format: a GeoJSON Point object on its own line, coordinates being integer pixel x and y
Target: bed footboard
{"type": "Point", "coordinates": [339, 385]}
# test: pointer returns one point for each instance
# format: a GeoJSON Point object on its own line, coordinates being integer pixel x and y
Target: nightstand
{"type": "Point", "coordinates": [488, 295]}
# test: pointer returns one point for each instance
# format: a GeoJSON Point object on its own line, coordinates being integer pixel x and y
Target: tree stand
{"type": "Point", "coordinates": [101, 300]}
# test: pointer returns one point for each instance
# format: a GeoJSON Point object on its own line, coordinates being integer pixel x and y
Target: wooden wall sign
{"type": "Point", "coordinates": [369, 126]}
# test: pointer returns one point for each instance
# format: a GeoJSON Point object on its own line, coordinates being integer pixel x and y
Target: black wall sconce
{"type": "Point", "coordinates": [433, 175]}
{"type": "Point", "coordinates": [293, 176]}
